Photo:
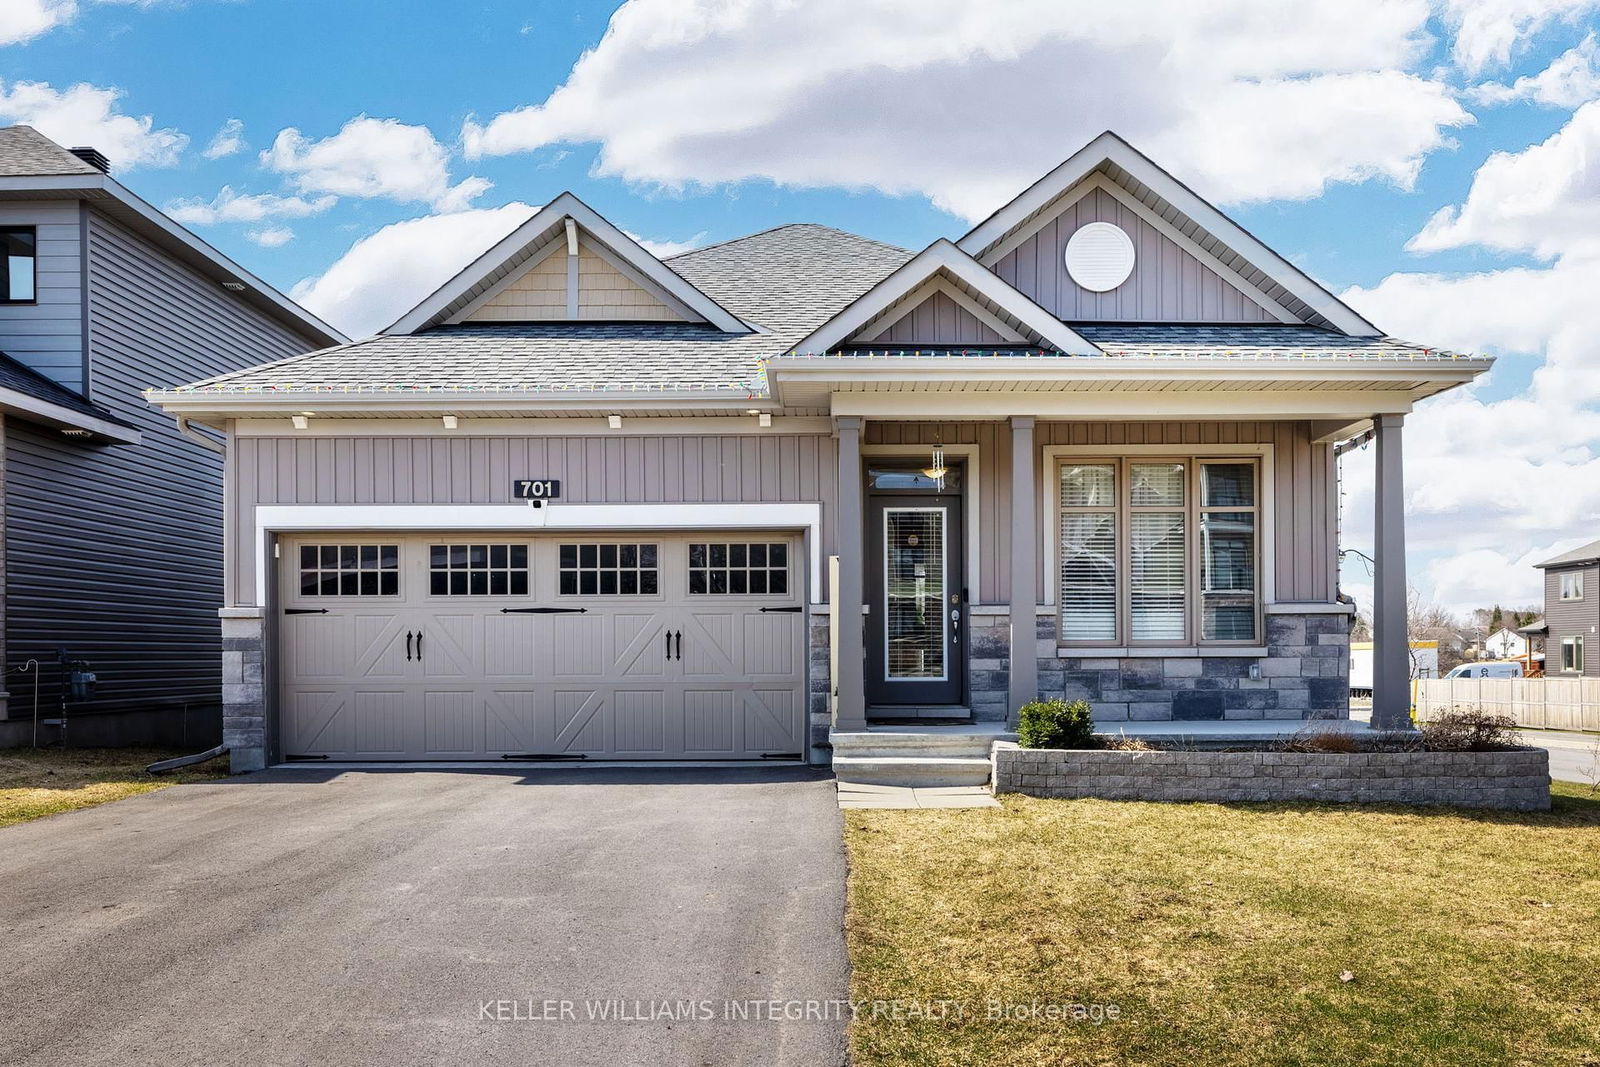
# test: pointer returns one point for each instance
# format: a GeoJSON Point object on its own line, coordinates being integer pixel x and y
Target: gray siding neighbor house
{"type": "Point", "coordinates": [112, 528]}
{"type": "Point", "coordinates": [780, 496]}
{"type": "Point", "coordinates": [1572, 612]}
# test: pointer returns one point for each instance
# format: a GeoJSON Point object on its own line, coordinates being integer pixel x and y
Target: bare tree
{"type": "Point", "coordinates": [1428, 621]}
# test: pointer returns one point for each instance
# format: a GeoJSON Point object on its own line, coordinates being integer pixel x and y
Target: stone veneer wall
{"type": "Point", "coordinates": [1305, 674]}
{"type": "Point", "coordinates": [244, 723]}
{"type": "Point", "coordinates": [819, 686]}
{"type": "Point", "coordinates": [1513, 780]}
{"type": "Point", "coordinates": [989, 667]}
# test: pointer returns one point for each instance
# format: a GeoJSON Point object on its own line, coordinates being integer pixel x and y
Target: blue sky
{"type": "Point", "coordinates": [1335, 131]}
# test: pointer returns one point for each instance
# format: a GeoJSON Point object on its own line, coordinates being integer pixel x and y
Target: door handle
{"type": "Point", "coordinates": [669, 646]}
{"type": "Point", "coordinates": [419, 646]}
{"type": "Point", "coordinates": [680, 644]}
{"type": "Point", "coordinates": [408, 646]}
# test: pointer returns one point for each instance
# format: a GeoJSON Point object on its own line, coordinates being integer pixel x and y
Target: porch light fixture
{"type": "Point", "coordinates": [450, 422]}
{"type": "Point", "coordinates": [614, 421]}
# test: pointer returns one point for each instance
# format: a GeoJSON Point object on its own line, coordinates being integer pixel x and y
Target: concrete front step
{"type": "Point", "coordinates": [915, 771]}
{"type": "Point", "coordinates": [946, 743]}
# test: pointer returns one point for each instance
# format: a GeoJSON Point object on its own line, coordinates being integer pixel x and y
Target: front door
{"type": "Point", "coordinates": [916, 590]}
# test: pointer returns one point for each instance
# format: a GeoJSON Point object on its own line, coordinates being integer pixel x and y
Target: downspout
{"type": "Point", "coordinates": [163, 766]}
{"type": "Point", "coordinates": [199, 438]}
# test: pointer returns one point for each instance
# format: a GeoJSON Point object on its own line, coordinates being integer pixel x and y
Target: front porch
{"type": "Point", "coordinates": [1285, 661]}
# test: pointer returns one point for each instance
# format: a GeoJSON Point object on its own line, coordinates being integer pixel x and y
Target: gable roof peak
{"type": "Point", "coordinates": [1111, 153]}
{"type": "Point", "coordinates": [535, 235]}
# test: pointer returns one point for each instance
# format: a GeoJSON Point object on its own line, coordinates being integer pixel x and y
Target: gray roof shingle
{"type": "Point", "coordinates": [17, 378]}
{"type": "Point", "coordinates": [25, 152]}
{"type": "Point", "coordinates": [786, 280]}
{"type": "Point", "coordinates": [1134, 339]}
{"type": "Point", "coordinates": [1588, 553]}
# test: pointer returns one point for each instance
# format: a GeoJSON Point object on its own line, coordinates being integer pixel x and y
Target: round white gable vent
{"type": "Point", "coordinates": [1100, 256]}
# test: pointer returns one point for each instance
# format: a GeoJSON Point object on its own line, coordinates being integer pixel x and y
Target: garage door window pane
{"type": "Point", "coordinates": [607, 570]}
{"type": "Point", "coordinates": [478, 570]}
{"type": "Point", "coordinates": [738, 569]}
{"type": "Point", "coordinates": [349, 570]}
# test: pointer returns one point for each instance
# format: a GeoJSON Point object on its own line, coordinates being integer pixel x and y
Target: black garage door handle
{"type": "Point", "coordinates": [796, 609]}
{"type": "Point", "coordinates": [408, 646]}
{"type": "Point", "coordinates": [544, 611]}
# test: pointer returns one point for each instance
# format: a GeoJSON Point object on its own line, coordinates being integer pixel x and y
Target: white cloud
{"type": "Point", "coordinates": [231, 206]}
{"type": "Point", "coordinates": [1544, 199]}
{"type": "Point", "coordinates": [1493, 484]}
{"type": "Point", "coordinates": [1488, 33]}
{"type": "Point", "coordinates": [23, 20]}
{"type": "Point", "coordinates": [228, 140]}
{"type": "Point", "coordinates": [86, 114]}
{"type": "Point", "coordinates": [664, 249]}
{"type": "Point", "coordinates": [1571, 79]}
{"type": "Point", "coordinates": [691, 92]}
{"type": "Point", "coordinates": [271, 236]}
{"type": "Point", "coordinates": [373, 157]}
{"type": "Point", "coordinates": [387, 273]}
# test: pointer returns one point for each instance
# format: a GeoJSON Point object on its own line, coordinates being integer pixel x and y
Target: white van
{"type": "Point", "coordinates": [1499, 669]}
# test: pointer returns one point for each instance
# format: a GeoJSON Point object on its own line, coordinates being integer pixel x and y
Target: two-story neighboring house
{"type": "Point", "coordinates": [1572, 612]}
{"type": "Point", "coordinates": [112, 523]}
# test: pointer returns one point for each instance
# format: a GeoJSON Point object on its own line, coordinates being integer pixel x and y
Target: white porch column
{"type": "Point", "coordinates": [1391, 649]}
{"type": "Point", "coordinates": [1024, 675]}
{"type": "Point", "coordinates": [849, 683]}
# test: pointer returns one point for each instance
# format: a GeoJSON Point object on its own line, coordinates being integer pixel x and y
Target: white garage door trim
{"type": "Point", "coordinates": [423, 518]}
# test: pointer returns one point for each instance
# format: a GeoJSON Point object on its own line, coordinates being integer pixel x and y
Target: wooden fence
{"type": "Point", "coordinates": [1541, 703]}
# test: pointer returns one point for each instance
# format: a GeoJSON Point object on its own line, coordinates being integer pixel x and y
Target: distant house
{"type": "Point", "coordinates": [1505, 643]}
{"type": "Point", "coordinates": [111, 549]}
{"type": "Point", "coordinates": [1536, 632]}
{"type": "Point", "coordinates": [1572, 612]}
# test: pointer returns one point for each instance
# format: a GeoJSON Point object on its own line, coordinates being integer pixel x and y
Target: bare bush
{"type": "Point", "coordinates": [1470, 730]}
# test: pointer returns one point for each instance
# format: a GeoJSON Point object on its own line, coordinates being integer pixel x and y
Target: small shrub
{"type": "Point", "coordinates": [1124, 743]}
{"type": "Point", "coordinates": [1470, 730]}
{"type": "Point", "coordinates": [1055, 724]}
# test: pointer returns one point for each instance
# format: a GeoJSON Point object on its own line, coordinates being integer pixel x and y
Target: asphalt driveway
{"type": "Point", "coordinates": [427, 917]}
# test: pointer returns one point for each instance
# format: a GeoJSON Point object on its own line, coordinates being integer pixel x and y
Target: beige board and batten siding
{"type": "Point", "coordinates": [938, 320]}
{"type": "Point", "coordinates": [604, 293]}
{"type": "Point", "coordinates": [642, 469]}
{"type": "Point", "coordinates": [47, 335]}
{"type": "Point", "coordinates": [1168, 283]}
{"type": "Point", "coordinates": [756, 468]}
{"type": "Point", "coordinates": [1304, 488]}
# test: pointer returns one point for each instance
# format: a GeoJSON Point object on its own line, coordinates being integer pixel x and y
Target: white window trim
{"type": "Point", "coordinates": [1561, 583]}
{"type": "Point", "coordinates": [1576, 642]}
{"type": "Point", "coordinates": [501, 518]}
{"type": "Point", "coordinates": [971, 499]}
{"type": "Point", "coordinates": [1050, 509]}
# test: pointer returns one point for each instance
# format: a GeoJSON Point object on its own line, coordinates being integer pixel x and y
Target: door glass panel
{"type": "Point", "coordinates": [902, 480]}
{"type": "Point", "coordinates": [914, 572]}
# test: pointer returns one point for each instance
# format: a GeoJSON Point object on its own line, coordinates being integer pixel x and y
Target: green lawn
{"type": "Point", "coordinates": [1221, 933]}
{"type": "Point", "coordinates": [36, 782]}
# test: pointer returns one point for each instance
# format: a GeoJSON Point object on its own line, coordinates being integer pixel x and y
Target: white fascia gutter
{"type": "Point", "coordinates": [199, 438]}
{"type": "Point", "coordinates": [206, 405]}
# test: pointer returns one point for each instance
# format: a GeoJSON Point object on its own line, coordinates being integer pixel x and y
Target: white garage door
{"type": "Point", "coordinates": [456, 647]}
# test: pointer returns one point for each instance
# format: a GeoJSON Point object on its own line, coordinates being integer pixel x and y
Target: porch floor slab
{"type": "Point", "coordinates": [903, 798]}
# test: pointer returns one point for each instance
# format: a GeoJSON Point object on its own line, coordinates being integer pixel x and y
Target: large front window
{"type": "Point", "coordinates": [1159, 551]}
